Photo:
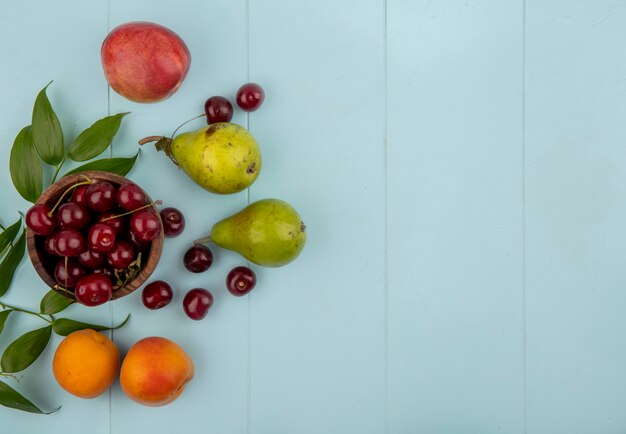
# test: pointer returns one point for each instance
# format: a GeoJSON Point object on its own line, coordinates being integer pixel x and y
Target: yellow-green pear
{"type": "Point", "coordinates": [222, 158]}
{"type": "Point", "coordinates": [268, 232]}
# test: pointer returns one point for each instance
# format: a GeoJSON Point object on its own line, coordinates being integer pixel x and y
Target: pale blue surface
{"type": "Point", "coordinates": [461, 167]}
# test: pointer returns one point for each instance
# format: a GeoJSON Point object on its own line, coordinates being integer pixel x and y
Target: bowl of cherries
{"type": "Point", "coordinates": [94, 236]}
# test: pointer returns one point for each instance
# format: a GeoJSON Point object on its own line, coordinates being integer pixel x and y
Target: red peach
{"type": "Point", "coordinates": [144, 62]}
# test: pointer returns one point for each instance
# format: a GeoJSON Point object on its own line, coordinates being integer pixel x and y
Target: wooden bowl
{"type": "Point", "coordinates": [45, 267]}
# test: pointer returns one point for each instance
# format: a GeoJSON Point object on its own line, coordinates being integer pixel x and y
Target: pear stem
{"type": "Point", "coordinates": [150, 139]}
{"type": "Point", "coordinates": [204, 240]}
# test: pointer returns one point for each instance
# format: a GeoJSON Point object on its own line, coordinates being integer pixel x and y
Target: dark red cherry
{"type": "Point", "coordinates": [69, 242]}
{"type": "Point", "coordinates": [130, 197]}
{"type": "Point", "coordinates": [121, 255]}
{"type": "Point", "coordinates": [197, 303]}
{"type": "Point", "coordinates": [173, 222]}
{"type": "Point", "coordinates": [113, 219]}
{"type": "Point", "coordinates": [218, 109]}
{"type": "Point", "coordinates": [50, 245]}
{"type": "Point", "coordinates": [39, 220]}
{"type": "Point", "coordinates": [102, 270]}
{"type": "Point", "coordinates": [68, 276]}
{"type": "Point", "coordinates": [198, 258]}
{"type": "Point", "coordinates": [91, 259]}
{"type": "Point", "coordinates": [101, 237]}
{"type": "Point", "coordinates": [70, 215]}
{"type": "Point", "coordinates": [100, 196]}
{"type": "Point", "coordinates": [94, 289]}
{"type": "Point", "coordinates": [78, 196]}
{"type": "Point", "coordinates": [250, 96]}
{"type": "Point", "coordinates": [157, 294]}
{"type": "Point", "coordinates": [137, 242]}
{"type": "Point", "coordinates": [145, 224]}
{"type": "Point", "coordinates": [240, 281]}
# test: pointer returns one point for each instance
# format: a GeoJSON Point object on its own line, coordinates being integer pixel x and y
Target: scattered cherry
{"type": "Point", "coordinates": [121, 255]}
{"type": "Point", "coordinates": [101, 238]}
{"type": "Point", "coordinates": [198, 258]}
{"type": "Point", "coordinates": [100, 196]}
{"type": "Point", "coordinates": [145, 224]}
{"type": "Point", "coordinates": [250, 96]}
{"type": "Point", "coordinates": [69, 242]}
{"type": "Point", "coordinates": [113, 219]}
{"type": "Point", "coordinates": [240, 281]}
{"type": "Point", "coordinates": [78, 196]}
{"type": "Point", "coordinates": [94, 289]}
{"type": "Point", "coordinates": [218, 109]}
{"type": "Point", "coordinates": [70, 215]}
{"type": "Point", "coordinates": [50, 245]}
{"type": "Point", "coordinates": [39, 220]}
{"type": "Point", "coordinates": [157, 294]}
{"type": "Point", "coordinates": [130, 197]}
{"type": "Point", "coordinates": [68, 276]}
{"type": "Point", "coordinates": [197, 303]}
{"type": "Point", "coordinates": [91, 259]}
{"type": "Point", "coordinates": [173, 222]}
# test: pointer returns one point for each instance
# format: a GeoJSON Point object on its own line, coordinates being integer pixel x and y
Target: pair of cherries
{"type": "Point", "coordinates": [100, 228]}
{"type": "Point", "coordinates": [249, 98]}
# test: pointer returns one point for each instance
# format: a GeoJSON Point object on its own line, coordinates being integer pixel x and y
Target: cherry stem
{"type": "Point", "coordinates": [186, 122]}
{"type": "Point", "coordinates": [158, 202]}
{"type": "Point", "coordinates": [65, 194]}
{"type": "Point", "coordinates": [204, 240]}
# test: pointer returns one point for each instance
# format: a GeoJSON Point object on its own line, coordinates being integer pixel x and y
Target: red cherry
{"type": "Point", "coordinates": [100, 196]}
{"type": "Point", "coordinates": [69, 242]}
{"type": "Point", "coordinates": [157, 294]}
{"type": "Point", "coordinates": [91, 259]}
{"type": "Point", "coordinates": [250, 96]}
{"type": "Point", "coordinates": [114, 220]}
{"type": "Point", "coordinates": [198, 258]}
{"type": "Point", "coordinates": [70, 215]}
{"type": "Point", "coordinates": [240, 281]}
{"type": "Point", "coordinates": [173, 222]}
{"type": "Point", "coordinates": [130, 197]}
{"type": "Point", "coordinates": [218, 109]}
{"type": "Point", "coordinates": [68, 276]}
{"type": "Point", "coordinates": [94, 289]}
{"type": "Point", "coordinates": [145, 224]}
{"type": "Point", "coordinates": [137, 242]}
{"type": "Point", "coordinates": [101, 237]}
{"type": "Point", "coordinates": [121, 255]}
{"type": "Point", "coordinates": [197, 303]}
{"type": "Point", "coordinates": [50, 245]}
{"type": "Point", "coordinates": [102, 270]}
{"type": "Point", "coordinates": [39, 220]}
{"type": "Point", "coordinates": [78, 196]}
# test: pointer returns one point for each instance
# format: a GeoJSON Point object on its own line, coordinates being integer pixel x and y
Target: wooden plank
{"type": "Point", "coordinates": [455, 216]}
{"type": "Point", "coordinates": [575, 206]}
{"type": "Point", "coordinates": [317, 329]}
{"type": "Point", "coordinates": [39, 42]}
{"type": "Point", "coordinates": [217, 396]}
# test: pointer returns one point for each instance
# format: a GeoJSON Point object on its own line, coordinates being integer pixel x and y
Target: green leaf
{"type": "Point", "coordinates": [46, 128]}
{"type": "Point", "coordinates": [95, 139]}
{"type": "Point", "coordinates": [65, 326]}
{"type": "Point", "coordinates": [23, 351]}
{"type": "Point", "coordinates": [9, 235]}
{"type": "Point", "coordinates": [120, 166]}
{"type": "Point", "coordinates": [10, 262]}
{"type": "Point", "coordinates": [53, 302]}
{"type": "Point", "coordinates": [3, 318]}
{"type": "Point", "coordinates": [11, 398]}
{"type": "Point", "coordinates": [25, 166]}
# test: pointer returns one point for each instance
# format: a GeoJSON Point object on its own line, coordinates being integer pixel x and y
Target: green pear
{"type": "Point", "coordinates": [222, 158]}
{"type": "Point", "coordinates": [268, 232]}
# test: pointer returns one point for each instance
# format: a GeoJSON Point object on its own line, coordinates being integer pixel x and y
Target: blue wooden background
{"type": "Point", "coordinates": [461, 167]}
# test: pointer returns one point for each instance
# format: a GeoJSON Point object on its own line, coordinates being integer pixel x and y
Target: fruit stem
{"type": "Point", "coordinates": [19, 309]}
{"type": "Point", "coordinates": [65, 194]}
{"type": "Point", "coordinates": [204, 240]}
{"type": "Point", "coordinates": [150, 139]}
{"type": "Point", "coordinates": [158, 202]}
{"type": "Point", "coordinates": [186, 122]}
